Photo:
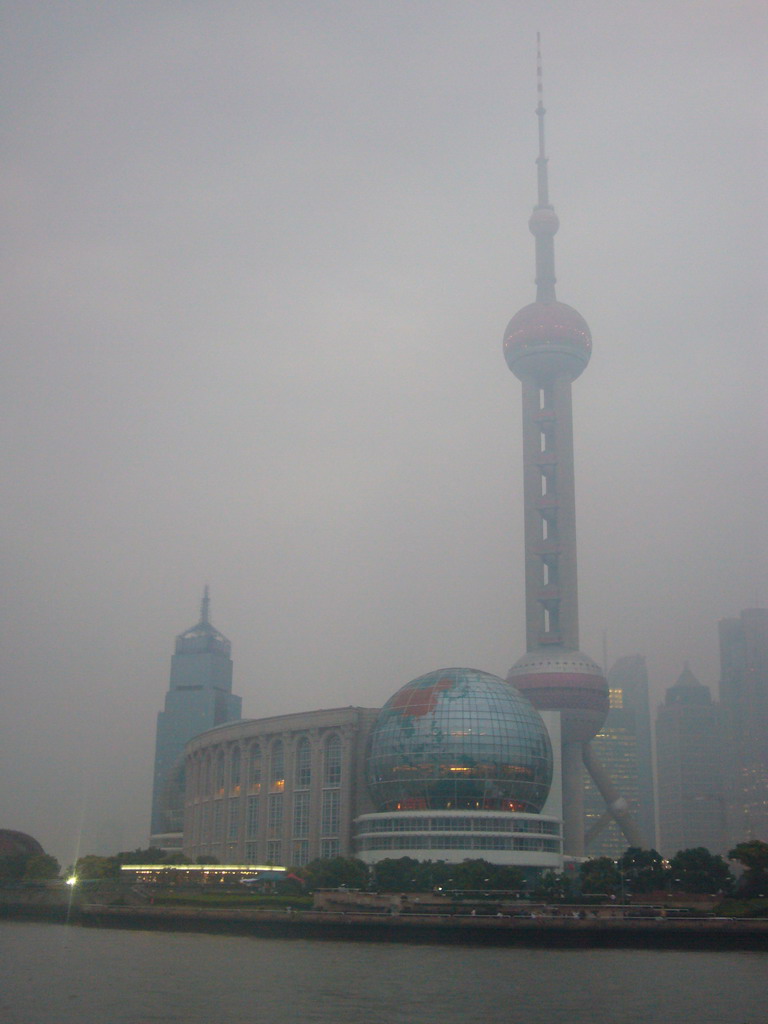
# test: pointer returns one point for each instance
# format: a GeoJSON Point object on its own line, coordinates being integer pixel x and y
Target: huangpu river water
{"type": "Point", "coordinates": [55, 974]}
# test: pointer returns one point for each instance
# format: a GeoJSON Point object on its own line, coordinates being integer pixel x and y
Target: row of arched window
{"type": "Point", "coordinates": [213, 774]}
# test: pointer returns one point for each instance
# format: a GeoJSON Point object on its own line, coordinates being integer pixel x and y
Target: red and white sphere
{"type": "Point", "coordinates": [547, 340]}
{"type": "Point", "coordinates": [565, 681]}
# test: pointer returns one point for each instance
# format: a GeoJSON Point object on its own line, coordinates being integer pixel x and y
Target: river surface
{"type": "Point", "coordinates": [58, 974]}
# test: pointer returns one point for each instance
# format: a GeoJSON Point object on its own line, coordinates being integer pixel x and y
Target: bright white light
{"type": "Point", "coordinates": [71, 880]}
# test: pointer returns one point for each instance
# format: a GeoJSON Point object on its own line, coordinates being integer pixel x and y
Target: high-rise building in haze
{"type": "Point", "coordinates": [547, 345]}
{"type": "Point", "coordinates": [689, 769]}
{"type": "Point", "coordinates": [744, 698]}
{"type": "Point", "coordinates": [200, 697]}
{"type": "Point", "coordinates": [623, 746]}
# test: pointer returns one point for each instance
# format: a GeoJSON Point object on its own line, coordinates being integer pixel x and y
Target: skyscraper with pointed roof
{"type": "Point", "coordinates": [199, 697]}
{"type": "Point", "coordinates": [689, 769]}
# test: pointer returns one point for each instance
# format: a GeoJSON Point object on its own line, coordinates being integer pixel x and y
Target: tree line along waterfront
{"type": "Point", "coordinates": [737, 886]}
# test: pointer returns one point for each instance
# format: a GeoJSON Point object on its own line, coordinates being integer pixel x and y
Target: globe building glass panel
{"type": "Point", "coordinates": [459, 739]}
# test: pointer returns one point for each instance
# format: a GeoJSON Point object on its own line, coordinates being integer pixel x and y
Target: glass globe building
{"type": "Point", "coordinates": [459, 765]}
{"type": "Point", "coordinates": [459, 739]}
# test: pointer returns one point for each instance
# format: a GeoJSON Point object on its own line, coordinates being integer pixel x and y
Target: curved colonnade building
{"type": "Point", "coordinates": [281, 790]}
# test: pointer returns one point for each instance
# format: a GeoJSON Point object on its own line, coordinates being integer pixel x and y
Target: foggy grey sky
{"type": "Point", "coordinates": [258, 262]}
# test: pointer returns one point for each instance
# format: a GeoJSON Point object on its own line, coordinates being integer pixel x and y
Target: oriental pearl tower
{"type": "Point", "coordinates": [547, 345]}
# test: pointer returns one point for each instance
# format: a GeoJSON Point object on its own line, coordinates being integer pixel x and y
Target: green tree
{"type": "Point", "coordinates": [176, 858]}
{"type": "Point", "coordinates": [753, 854]}
{"type": "Point", "coordinates": [12, 866]}
{"type": "Point", "coordinates": [599, 876]}
{"type": "Point", "coordinates": [478, 874]}
{"type": "Point", "coordinates": [91, 866]}
{"type": "Point", "coordinates": [399, 874]}
{"type": "Point", "coordinates": [642, 870]}
{"type": "Point", "coordinates": [405, 874]}
{"type": "Point", "coordinates": [154, 855]}
{"type": "Point", "coordinates": [698, 870]}
{"type": "Point", "coordinates": [335, 872]}
{"type": "Point", "coordinates": [41, 866]}
{"type": "Point", "coordinates": [150, 855]}
{"type": "Point", "coordinates": [552, 887]}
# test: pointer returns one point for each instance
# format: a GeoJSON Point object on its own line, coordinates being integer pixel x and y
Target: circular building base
{"type": "Point", "coordinates": [501, 837]}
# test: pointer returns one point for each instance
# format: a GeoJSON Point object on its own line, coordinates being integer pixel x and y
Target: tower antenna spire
{"type": "Point", "coordinates": [205, 607]}
{"type": "Point", "coordinates": [541, 160]}
{"type": "Point", "coordinates": [543, 222]}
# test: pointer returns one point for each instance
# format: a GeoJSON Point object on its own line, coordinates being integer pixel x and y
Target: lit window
{"type": "Point", "coordinates": [277, 768]}
{"type": "Point", "coordinates": [254, 769]}
{"type": "Point", "coordinates": [234, 771]}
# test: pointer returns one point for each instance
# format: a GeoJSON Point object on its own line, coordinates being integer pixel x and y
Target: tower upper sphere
{"type": "Point", "coordinates": [546, 340]}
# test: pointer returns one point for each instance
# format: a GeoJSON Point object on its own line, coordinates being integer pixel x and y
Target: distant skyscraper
{"type": "Point", "coordinates": [744, 698]}
{"type": "Point", "coordinates": [689, 769]}
{"type": "Point", "coordinates": [547, 345]}
{"type": "Point", "coordinates": [623, 746]}
{"type": "Point", "coordinates": [200, 697]}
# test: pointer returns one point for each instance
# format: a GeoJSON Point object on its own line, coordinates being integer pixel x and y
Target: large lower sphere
{"type": "Point", "coordinates": [459, 739]}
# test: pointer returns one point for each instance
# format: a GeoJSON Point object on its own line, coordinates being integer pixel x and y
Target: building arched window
{"type": "Point", "coordinates": [277, 768]}
{"type": "Point", "coordinates": [252, 805]}
{"type": "Point", "coordinates": [254, 768]}
{"type": "Point", "coordinates": [332, 763]}
{"type": "Point", "coordinates": [219, 785]}
{"type": "Point", "coordinates": [303, 764]}
{"type": "Point", "coordinates": [194, 776]}
{"type": "Point", "coordinates": [205, 786]}
{"type": "Point", "coordinates": [234, 770]}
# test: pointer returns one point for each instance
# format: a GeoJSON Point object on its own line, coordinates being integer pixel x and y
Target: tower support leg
{"type": "Point", "coordinates": [615, 802]}
{"type": "Point", "coordinates": [573, 799]}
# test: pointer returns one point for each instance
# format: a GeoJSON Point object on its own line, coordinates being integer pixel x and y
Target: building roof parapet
{"type": "Point", "coordinates": [280, 725]}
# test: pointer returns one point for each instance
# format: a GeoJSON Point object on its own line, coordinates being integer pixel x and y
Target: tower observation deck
{"type": "Point", "coordinates": [547, 345]}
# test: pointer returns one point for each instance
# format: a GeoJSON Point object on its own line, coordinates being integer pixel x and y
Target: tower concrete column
{"type": "Point", "coordinates": [573, 798]}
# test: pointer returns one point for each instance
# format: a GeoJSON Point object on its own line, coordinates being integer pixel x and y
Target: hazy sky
{"type": "Point", "coordinates": [258, 260]}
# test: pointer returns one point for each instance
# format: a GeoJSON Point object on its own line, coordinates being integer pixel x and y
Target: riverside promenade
{"type": "Point", "coordinates": [557, 929]}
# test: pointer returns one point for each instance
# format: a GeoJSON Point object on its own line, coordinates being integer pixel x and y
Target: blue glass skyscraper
{"type": "Point", "coordinates": [199, 697]}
